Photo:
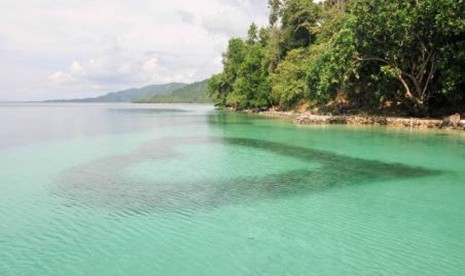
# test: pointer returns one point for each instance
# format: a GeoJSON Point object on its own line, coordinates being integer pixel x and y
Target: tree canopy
{"type": "Point", "coordinates": [370, 52]}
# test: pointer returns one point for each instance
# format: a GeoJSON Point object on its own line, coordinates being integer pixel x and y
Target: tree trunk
{"type": "Point", "coordinates": [415, 95]}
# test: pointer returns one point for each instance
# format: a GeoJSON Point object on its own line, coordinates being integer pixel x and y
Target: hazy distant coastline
{"type": "Point", "coordinates": [158, 93]}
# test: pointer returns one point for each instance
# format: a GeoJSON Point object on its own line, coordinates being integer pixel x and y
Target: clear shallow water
{"type": "Point", "coordinates": [186, 190]}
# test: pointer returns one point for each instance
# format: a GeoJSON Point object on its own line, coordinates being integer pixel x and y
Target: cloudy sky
{"type": "Point", "coordinates": [80, 48]}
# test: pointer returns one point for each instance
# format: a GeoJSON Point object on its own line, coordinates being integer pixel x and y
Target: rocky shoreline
{"type": "Point", "coordinates": [453, 122]}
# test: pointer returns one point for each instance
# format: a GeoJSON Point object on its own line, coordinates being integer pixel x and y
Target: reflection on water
{"type": "Point", "coordinates": [25, 124]}
{"type": "Point", "coordinates": [147, 110]}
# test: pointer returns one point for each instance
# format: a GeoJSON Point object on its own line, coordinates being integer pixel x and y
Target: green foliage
{"type": "Point", "coordinates": [275, 6]}
{"type": "Point", "coordinates": [332, 19]}
{"type": "Point", "coordinates": [253, 34]}
{"type": "Point", "coordinates": [409, 52]}
{"type": "Point", "coordinates": [251, 87]}
{"type": "Point", "coordinates": [132, 95]}
{"type": "Point", "coordinates": [218, 88]}
{"type": "Point", "coordinates": [273, 53]}
{"type": "Point", "coordinates": [288, 85]}
{"type": "Point", "coordinates": [250, 64]}
{"type": "Point", "coordinates": [244, 82]}
{"type": "Point", "coordinates": [410, 41]}
{"type": "Point", "coordinates": [263, 36]}
{"type": "Point", "coordinates": [333, 64]}
{"type": "Point", "coordinates": [299, 21]}
{"type": "Point", "coordinates": [233, 58]}
{"type": "Point", "coordinates": [192, 93]}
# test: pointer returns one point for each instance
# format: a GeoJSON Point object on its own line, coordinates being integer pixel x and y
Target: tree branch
{"type": "Point", "coordinates": [430, 77]}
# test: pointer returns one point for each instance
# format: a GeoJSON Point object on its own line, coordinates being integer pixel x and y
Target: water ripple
{"type": "Point", "coordinates": [98, 183]}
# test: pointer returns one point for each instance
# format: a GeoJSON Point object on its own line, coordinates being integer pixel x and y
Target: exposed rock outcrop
{"type": "Point", "coordinates": [307, 118]}
{"type": "Point", "coordinates": [368, 120]}
{"type": "Point", "coordinates": [452, 121]}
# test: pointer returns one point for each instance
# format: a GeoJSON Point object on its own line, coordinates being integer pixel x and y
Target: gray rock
{"type": "Point", "coordinates": [452, 121]}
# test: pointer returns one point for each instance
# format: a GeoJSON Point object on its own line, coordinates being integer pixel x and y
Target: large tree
{"type": "Point", "coordinates": [288, 82]}
{"type": "Point", "coordinates": [298, 23]}
{"type": "Point", "coordinates": [408, 41]}
{"type": "Point", "coordinates": [221, 85]}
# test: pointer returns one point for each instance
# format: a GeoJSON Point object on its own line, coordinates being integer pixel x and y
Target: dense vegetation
{"type": "Point", "coordinates": [192, 93]}
{"type": "Point", "coordinates": [372, 55]}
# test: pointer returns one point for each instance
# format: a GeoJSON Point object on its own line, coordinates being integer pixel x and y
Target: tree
{"type": "Point", "coordinates": [273, 53]}
{"type": "Point", "coordinates": [288, 83]}
{"type": "Point", "coordinates": [218, 89]}
{"type": "Point", "coordinates": [251, 89]}
{"type": "Point", "coordinates": [333, 65]}
{"type": "Point", "coordinates": [299, 20]}
{"type": "Point", "coordinates": [252, 34]}
{"type": "Point", "coordinates": [244, 82]}
{"type": "Point", "coordinates": [274, 6]}
{"type": "Point", "coordinates": [233, 58]}
{"type": "Point", "coordinates": [370, 52]}
{"type": "Point", "coordinates": [221, 85]}
{"type": "Point", "coordinates": [263, 37]}
{"type": "Point", "coordinates": [407, 41]}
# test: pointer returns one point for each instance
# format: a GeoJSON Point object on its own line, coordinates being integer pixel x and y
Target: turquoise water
{"type": "Point", "coordinates": [187, 190]}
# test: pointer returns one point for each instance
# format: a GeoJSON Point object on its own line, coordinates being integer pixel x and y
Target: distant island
{"type": "Point", "coordinates": [157, 93]}
{"type": "Point", "coordinates": [192, 93]}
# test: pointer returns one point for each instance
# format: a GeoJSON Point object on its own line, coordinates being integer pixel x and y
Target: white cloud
{"type": "Point", "coordinates": [74, 48]}
{"type": "Point", "coordinates": [60, 78]}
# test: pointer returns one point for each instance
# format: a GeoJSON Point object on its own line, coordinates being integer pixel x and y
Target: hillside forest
{"type": "Point", "coordinates": [400, 56]}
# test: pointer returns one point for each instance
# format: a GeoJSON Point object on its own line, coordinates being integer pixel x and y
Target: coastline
{"type": "Point", "coordinates": [454, 122]}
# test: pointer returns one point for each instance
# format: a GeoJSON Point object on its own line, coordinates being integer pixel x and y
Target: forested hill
{"type": "Point", "coordinates": [133, 94]}
{"type": "Point", "coordinates": [402, 56]}
{"type": "Point", "coordinates": [192, 93]}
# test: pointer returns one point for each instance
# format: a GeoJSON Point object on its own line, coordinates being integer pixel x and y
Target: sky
{"type": "Point", "coordinates": [67, 49]}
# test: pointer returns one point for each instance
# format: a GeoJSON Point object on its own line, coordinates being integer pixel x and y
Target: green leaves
{"type": "Point", "coordinates": [243, 83]}
{"type": "Point", "coordinates": [288, 83]}
{"type": "Point", "coordinates": [407, 41]}
{"type": "Point", "coordinates": [299, 21]}
{"type": "Point", "coordinates": [390, 71]}
{"type": "Point", "coordinates": [333, 66]}
{"type": "Point", "coordinates": [402, 51]}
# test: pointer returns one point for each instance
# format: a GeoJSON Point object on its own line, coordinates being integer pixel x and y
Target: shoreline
{"type": "Point", "coordinates": [453, 122]}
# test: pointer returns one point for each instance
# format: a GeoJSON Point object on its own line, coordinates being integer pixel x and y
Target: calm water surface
{"type": "Point", "coordinates": [187, 190]}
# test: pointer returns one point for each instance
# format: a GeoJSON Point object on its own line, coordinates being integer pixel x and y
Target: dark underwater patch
{"type": "Point", "coordinates": [98, 184]}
